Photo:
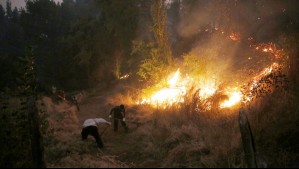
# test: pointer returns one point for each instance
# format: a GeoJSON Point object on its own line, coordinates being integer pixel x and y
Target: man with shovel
{"type": "Point", "coordinates": [119, 114]}
{"type": "Point", "coordinates": [90, 127]}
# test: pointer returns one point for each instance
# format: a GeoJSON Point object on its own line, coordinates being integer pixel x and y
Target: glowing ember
{"type": "Point", "coordinates": [271, 49]}
{"type": "Point", "coordinates": [234, 36]}
{"type": "Point", "coordinates": [265, 72]}
{"type": "Point", "coordinates": [255, 83]}
{"type": "Point", "coordinates": [124, 76]}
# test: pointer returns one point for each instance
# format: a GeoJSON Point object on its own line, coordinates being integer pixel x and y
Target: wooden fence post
{"type": "Point", "coordinates": [247, 140]}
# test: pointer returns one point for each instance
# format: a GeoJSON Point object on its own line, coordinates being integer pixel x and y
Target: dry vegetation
{"type": "Point", "coordinates": [176, 136]}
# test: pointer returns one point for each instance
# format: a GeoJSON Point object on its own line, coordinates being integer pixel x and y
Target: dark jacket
{"type": "Point", "coordinates": [118, 113]}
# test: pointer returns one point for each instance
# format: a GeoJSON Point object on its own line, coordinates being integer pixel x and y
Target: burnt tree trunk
{"type": "Point", "coordinates": [247, 140]}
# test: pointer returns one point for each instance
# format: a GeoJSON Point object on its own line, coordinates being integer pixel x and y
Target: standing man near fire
{"type": "Point", "coordinates": [118, 113]}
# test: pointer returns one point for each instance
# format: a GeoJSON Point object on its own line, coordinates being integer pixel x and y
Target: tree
{"type": "Point", "coordinates": [159, 56]}
{"type": "Point", "coordinates": [11, 42]}
{"type": "Point", "coordinates": [29, 92]}
{"type": "Point", "coordinates": [120, 22]}
{"type": "Point", "coordinates": [20, 135]}
{"type": "Point", "coordinates": [2, 27]}
{"type": "Point", "coordinates": [81, 47]}
{"type": "Point", "coordinates": [160, 31]}
{"type": "Point", "coordinates": [15, 16]}
{"type": "Point", "coordinates": [173, 14]}
{"type": "Point", "coordinates": [44, 26]}
{"type": "Point", "coordinates": [8, 9]}
{"type": "Point", "coordinates": [2, 14]}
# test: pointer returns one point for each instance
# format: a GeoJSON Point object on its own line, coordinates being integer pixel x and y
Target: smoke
{"type": "Point", "coordinates": [219, 53]}
{"type": "Point", "coordinates": [259, 18]}
{"type": "Point", "coordinates": [194, 21]}
{"type": "Point", "coordinates": [211, 24]}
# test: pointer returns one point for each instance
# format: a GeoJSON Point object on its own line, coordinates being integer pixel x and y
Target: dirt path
{"type": "Point", "coordinates": [66, 149]}
{"type": "Point", "coordinates": [120, 145]}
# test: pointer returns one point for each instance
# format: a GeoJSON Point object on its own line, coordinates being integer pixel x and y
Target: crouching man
{"type": "Point", "coordinates": [90, 127]}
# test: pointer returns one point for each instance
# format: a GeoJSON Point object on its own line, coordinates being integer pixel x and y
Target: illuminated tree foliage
{"type": "Point", "coordinates": [160, 55]}
{"type": "Point", "coordinates": [195, 65]}
{"type": "Point", "coordinates": [160, 31]}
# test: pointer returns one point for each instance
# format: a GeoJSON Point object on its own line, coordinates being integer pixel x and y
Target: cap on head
{"type": "Point", "coordinates": [122, 106]}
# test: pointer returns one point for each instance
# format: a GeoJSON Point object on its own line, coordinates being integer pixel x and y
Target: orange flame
{"type": "Point", "coordinates": [177, 89]}
{"type": "Point", "coordinates": [235, 97]}
{"type": "Point", "coordinates": [177, 86]}
{"type": "Point", "coordinates": [168, 95]}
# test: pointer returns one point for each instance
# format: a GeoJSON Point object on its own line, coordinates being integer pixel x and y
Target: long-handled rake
{"type": "Point", "coordinates": [104, 130]}
{"type": "Point", "coordinates": [133, 122]}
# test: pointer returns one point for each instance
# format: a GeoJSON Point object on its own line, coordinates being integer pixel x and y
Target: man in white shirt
{"type": "Point", "coordinates": [90, 127]}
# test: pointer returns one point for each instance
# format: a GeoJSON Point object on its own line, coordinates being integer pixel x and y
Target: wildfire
{"type": "Point", "coordinates": [124, 76]}
{"type": "Point", "coordinates": [178, 85]}
{"type": "Point", "coordinates": [173, 81]}
{"type": "Point", "coordinates": [235, 97]}
{"type": "Point", "coordinates": [234, 36]}
{"type": "Point", "coordinates": [177, 89]}
{"type": "Point", "coordinates": [255, 83]}
{"type": "Point", "coordinates": [267, 70]}
{"type": "Point", "coordinates": [206, 92]}
{"type": "Point", "coordinates": [271, 49]}
{"type": "Point", "coordinates": [168, 95]}
{"type": "Point", "coordinates": [174, 93]}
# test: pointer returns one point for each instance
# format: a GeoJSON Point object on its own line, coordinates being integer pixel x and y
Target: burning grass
{"type": "Point", "coordinates": [209, 70]}
{"type": "Point", "coordinates": [261, 84]}
{"type": "Point", "coordinates": [186, 121]}
{"type": "Point", "coordinates": [181, 135]}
